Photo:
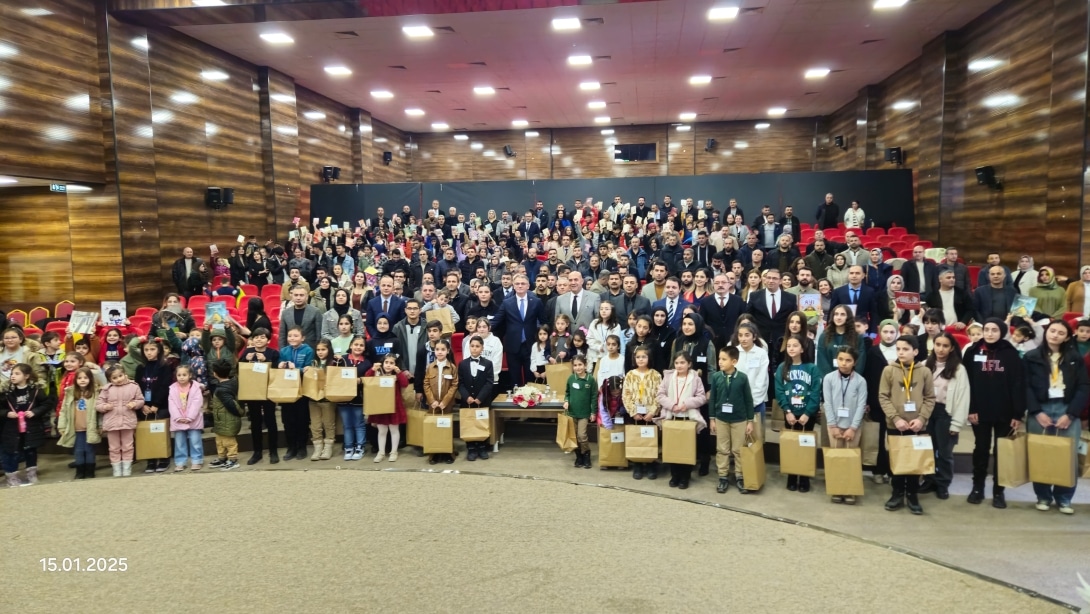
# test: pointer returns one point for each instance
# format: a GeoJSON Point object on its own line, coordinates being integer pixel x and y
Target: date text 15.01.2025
{"type": "Point", "coordinates": [90, 563]}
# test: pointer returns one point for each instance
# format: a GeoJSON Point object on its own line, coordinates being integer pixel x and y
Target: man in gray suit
{"type": "Point", "coordinates": [300, 313]}
{"type": "Point", "coordinates": [585, 302]}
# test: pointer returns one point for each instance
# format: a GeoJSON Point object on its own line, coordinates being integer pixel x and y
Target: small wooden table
{"type": "Point", "coordinates": [502, 409]}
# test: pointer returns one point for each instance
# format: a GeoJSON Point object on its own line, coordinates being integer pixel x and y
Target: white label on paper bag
{"type": "Point", "coordinates": [157, 427]}
{"type": "Point", "coordinates": [616, 437]}
{"type": "Point", "coordinates": [807, 441]}
{"type": "Point", "coordinates": [922, 443]}
{"type": "Point", "coordinates": [481, 414]}
{"type": "Point", "coordinates": [291, 374]}
{"type": "Point", "coordinates": [647, 432]}
{"type": "Point", "coordinates": [260, 367]}
{"type": "Point", "coordinates": [443, 423]}
{"type": "Point", "coordinates": [618, 420]}
{"type": "Point", "coordinates": [348, 374]}
{"type": "Point", "coordinates": [385, 382]}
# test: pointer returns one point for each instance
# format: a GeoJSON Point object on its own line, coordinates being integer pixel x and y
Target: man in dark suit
{"type": "Point", "coordinates": [386, 302]}
{"type": "Point", "coordinates": [422, 266]}
{"type": "Point", "coordinates": [528, 228]}
{"type": "Point", "coordinates": [791, 224]}
{"type": "Point", "coordinates": [541, 215]}
{"type": "Point", "coordinates": [949, 298]}
{"type": "Point", "coordinates": [828, 213]}
{"type": "Point", "coordinates": [519, 317]}
{"type": "Point", "coordinates": [919, 273]}
{"type": "Point", "coordinates": [859, 294]}
{"type": "Point", "coordinates": [673, 303]}
{"type": "Point", "coordinates": [771, 307]}
{"type": "Point", "coordinates": [721, 310]}
{"type": "Point", "coordinates": [995, 299]}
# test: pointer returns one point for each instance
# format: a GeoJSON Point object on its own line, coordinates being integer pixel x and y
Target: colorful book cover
{"type": "Point", "coordinates": [215, 312]}
{"type": "Point", "coordinates": [909, 301]}
{"type": "Point", "coordinates": [1023, 306]}
{"type": "Point", "coordinates": [114, 312]}
{"type": "Point", "coordinates": [810, 304]}
{"type": "Point", "coordinates": [83, 322]}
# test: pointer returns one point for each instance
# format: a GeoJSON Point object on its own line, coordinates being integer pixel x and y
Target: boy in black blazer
{"type": "Point", "coordinates": [475, 388]}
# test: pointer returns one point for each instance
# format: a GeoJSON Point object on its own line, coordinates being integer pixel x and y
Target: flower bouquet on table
{"type": "Point", "coordinates": [527, 396]}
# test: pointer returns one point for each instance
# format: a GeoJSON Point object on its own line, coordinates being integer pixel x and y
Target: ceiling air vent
{"type": "Point", "coordinates": [399, 67]}
{"type": "Point", "coordinates": [871, 40]}
{"type": "Point", "coordinates": [602, 58]}
{"type": "Point", "coordinates": [444, 29]}
{"type": "Point", "coordinates": [732, 49]}
{"type": "Point", "coordinates": [432, 92]}
{"type": "Point", "coordinates": [346, 34]}
{"type": "Point", "coordinates": [756, 10]}
{"type": "Point", "coordinates": [597, 21]}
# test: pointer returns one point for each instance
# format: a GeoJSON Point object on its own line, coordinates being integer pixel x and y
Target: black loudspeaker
{"type": "Point", "coordinates": [507, 151]}
{"type": "Point", "coordinates": [213, 197]}
{"type": "Point", "coordinates": [894, 155]}
{"type": "Point", "coordinates": [710, 145]}
{"type": "Point", "coordinates": [228, 196]}
{"type": "Point", "coordinates": [387, 157]}
{"type": "Point", "coordinates": [985, 175]}
{"type": "Point", "coordinates": [838, 141]}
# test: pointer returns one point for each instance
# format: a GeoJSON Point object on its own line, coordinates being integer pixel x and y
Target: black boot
{"type": "Point", "coordinates": [702, 470]}
{"type": "Point", "coordinates": [586, 460]}
{"type": "Point", "coordinates": [289, 453]}
{"type": "Point", "coordinates": [637, 471]}
{"type": "Point", "coordinates": [652, 471]}
{"type": "Point", "coordinates": [255, 438]}
{"type": "Point", "coordinates": [999, 500]}
{"type": "Point", "coordinates": [88, 471]}
{"type": "Point", "coordinates": [896, 502]}
{"type": "Point", "coordinates": [914, 504]}
{"type": "Point", "coordinates": [804, 484]}
{"type": "Point", "coordinates": [976, 495]}
{"type": "Point", "coordinates": [80, 473]}
{"type": "Point", "coordinates": [578, 459]}
{"type": "Point", "coordinates": [482, 450]}
{"type": "Point", "coordinates": [471, 451]}
{"type": "Point", "coordinates": [792, 482]}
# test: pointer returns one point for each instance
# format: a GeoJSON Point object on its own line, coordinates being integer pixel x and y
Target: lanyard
{"type": "Point", "coordinates": [681, 387]}
{"type": "Point", "coordinates": [844, 383]}
{"type": "Point", "coordinates": [908, 380]}
{"type": "Point", "coordinates": [1055, 378]}
{"type": "Point", "coordinates": [730, 382]}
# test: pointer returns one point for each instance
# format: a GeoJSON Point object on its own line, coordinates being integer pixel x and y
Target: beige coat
{"type": "Point", "coordinates": [66, 423]}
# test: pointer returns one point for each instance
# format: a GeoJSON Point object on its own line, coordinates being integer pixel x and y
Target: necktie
{"type": "Point", "coordinates": [385, 305]}
{"type": "Point", "coordinates": [574, 306]}
{"type": "Point", "coordinates": [855, 295]}
{"type": "Point", "coordinates": [670, 311]}
{"type": "Point", "coordinates": [772, 311]}
{"type": "Point", "coordinates": [721, 302]}
{"type": "Point", "coordinates": [522, 312]}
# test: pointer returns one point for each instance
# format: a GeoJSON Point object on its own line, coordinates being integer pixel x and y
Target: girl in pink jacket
{"type": "Point", "coordinates": [186, 400]}
{"type": "Point", "coordinates": [118, 403]}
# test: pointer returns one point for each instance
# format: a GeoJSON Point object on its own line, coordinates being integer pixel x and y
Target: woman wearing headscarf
{"type": "Point", "coordinates": [694, 340]}
{"type": "Point", "coordinates": [384, 342]}
{"type": "Point", "coordinates": [887, 305]}
{"type": "Point", "coordinates": [663, 335]}
{"type": "Point", "coordinates": [1078, 292]}
{"type": "Point", "coordinates": [997, 401]}
{"type": "Point", "coordinates": [341, 306]}
{"type": "Point", "coordinates": [322, 296]}
{"type": "Point", "coordinates": [1051, 300]}
{"type": "Point", "coordinates": [877, 271]}
{"type": "Point", "coordinates": [879, 356]}
{"type": "Point", "coordinates": [1024, 276]}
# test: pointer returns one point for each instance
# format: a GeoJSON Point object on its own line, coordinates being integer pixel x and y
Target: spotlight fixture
{"type": "Point", "coordinates": [894, 155]}
{"type": "Point", "coordinates": [387, 157]}
{"type": "Point", "coordinates": [330, 174]}
{"type": "Point", "coordinates": [985, 175]}
{"type": "Point", "coordinates": [838, 142]}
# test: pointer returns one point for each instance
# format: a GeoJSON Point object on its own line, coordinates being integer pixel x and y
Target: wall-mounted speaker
{"type": "Point", "coordinates": [228, 196]}
{"type": "Point", "coordinates": [387, 157]}
{"type": "Point", "coordinates": [710, 144]}
{"type": "Point", "coordinates": [213, 197]}
{"type": "Point", "coordinates": [894, 155]}
{"type": "Point", "coordinates": [838, 141]}
{"type": "Point", "coordinates": [985, 175]}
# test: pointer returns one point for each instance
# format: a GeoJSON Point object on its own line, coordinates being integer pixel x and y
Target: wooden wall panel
{"type": "Point", "coordinates": [941, 73]}
{"type": "Point", "coordinates": [537, 156]}
{"type": "Point", "coordinates": [280, 151]}
{"type": "Point", "coordinates": [842, 123]}
{"type": "Point", "coordinates": [51, 120]}
{"type": "Point", "coordinates": [385, 137]}
{"type": "Point", "coordinates": [682, 149]}
{"type": "Point", "coordinates": [439, 157]}
{"type": "Point", "coordinates": [585, 152]}
{"type": "Point", "coordinates": [323, 141]}
{"type": "Point", "coordinates": [897, 127]}
{"type": "Point", "coordinates": [363, 157]}
{"type": "Point", "coordinates": [95, 247]}
{"type": "Point", "coordinates": [34, 249]}
{"type": "Point", "coordinates": [785, 146]}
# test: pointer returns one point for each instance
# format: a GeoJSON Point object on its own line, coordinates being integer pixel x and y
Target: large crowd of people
{"type": "Point", "coordinates": [671, 310]}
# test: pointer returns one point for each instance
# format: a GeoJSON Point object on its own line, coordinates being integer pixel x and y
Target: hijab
{"type": "Point", "coordinates": [1050, 276]}
{"type": "Point", "coordinates": [389, 334]}
{"type": "Point", "coordinates": [326, 293]}
{"type": "Point", "coordinates": [341, 309]}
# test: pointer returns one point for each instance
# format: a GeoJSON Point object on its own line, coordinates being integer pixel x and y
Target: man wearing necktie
{"type": "Point", "coordinates": [770, 310]}
{"type": "Point", "coordinates": [861, 298]}
{"type": "Point", "coordinates": [518, 319]}
{"type": "Point", "coordinates": [672, 302]}
{"type": "Point", "coordinates": [721, 310]}
{"type": "Point", "coordinates": [476, 390]}
{"type": "Point", "coordinates": [529, 228]}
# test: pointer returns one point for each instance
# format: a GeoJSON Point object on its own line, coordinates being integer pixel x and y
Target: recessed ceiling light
{"type": "Point", "coordinates": [383, 94]}
{"type": "Point", "coordinates": [684, 128]}
{"type": "Point", "coordinates": [36, 12]}
{"type": "Point", "coordinates": [817, 73]}
{"type": "Point", "coordinates": [740, 144]}
{"type": "Point", "coordinates": [461, 137]}
{"type": "Point", "coordinates": [8, 180]}
{"type": "Point", "coordinates": [414, 112]}
{"type": "Point", "coordinates": [380, 139]}
{"type": "Point", "coordinates": [417, 31]}
{"type": "Point", "coordinates": [214, 75]}
{"type": "Point", "coordinates": [984, 64]}
{"type": "Point", "coordinates": [338, 70]}
{"type": "Point", "coordinates": [596, 104]}
{"type": "Point", "coordinates": [700, 79]}
{"type": "Point", "coordinates": [476, 145]}
{"type": "Point", "coordinates": [184, 97]}
{"type": "Point", "coordinates": [602, 119]}
{"type": "Point", "coordinates": [889, 4]}
{"type": "Point", "coordinates": [520, 123]}
{"type": "Point", "coordinates": [440, 126]}
{"type": "Point", "coordinates": [567, 23]}
{"type": "Point", "coordinates": [904, 105]}
{"type": "Point", "coordinates": [580, 60]}
{"type": "Point", "coordinates": [531, 133]}
{"type": "Point", "coordinates": [687, 116]}
{"type": "Point", "coordinates": [722, 12]}
{"type": "Point", "coordinates": [763, 126]}
{"type": "Point", "coordinates": [141, 42]}
{"type": "Point", "coordinates": [607, 132]}
{"type": "Point", "coordinates": [314, 115]}
{"type": "Point", "coordinates": [484, 90]}
{"type": "Point", "coordinates": [277, 38]}
{"type": "Point", "coordinates": [208, 3]}
{"type": "Point", "coordinates": [589, 85]}
{"type": "Point", "coordinates": [776, 111]}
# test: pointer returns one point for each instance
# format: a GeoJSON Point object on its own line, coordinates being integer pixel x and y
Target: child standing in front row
{"type": "Point", "coordinates": [731, 404]}
{"type": "Point", "coordinates": [540, 354]}
{"type": "Point", "coordinates": [323, 413]}
{"type": "Point", "coordinates": [185, 400]}
{"type": "Point", "coordinates": [907, 396]}
{"type": "Point", "coordinates": [798, 390]}
{"type": "Point", "coordinates": [440, 384]}
{"type": "Point", "coordinates": [681, 395]}
{"type": "Point", "coordinates": [581, 393]}
{"type": "Point", "coordinates": [389, 425]}
{"type": "Point", "coordinates": [78, 422]}
{"type": "Point", "coordinates": [118, 403]}
{"type": "Point", "coordinates": [641, 384]}
{"type": "Point", "coordinates": [475, 380]}
{"type": "Point", "coordinates": [23, 428]}
{"type": "Point", "coordinates": [845, 404]}
{"type": "Point", "coordinates": [226, 415]}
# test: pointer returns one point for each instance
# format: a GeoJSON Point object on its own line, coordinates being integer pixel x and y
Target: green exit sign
{"type": "Point", "coordinates": [58, 187]}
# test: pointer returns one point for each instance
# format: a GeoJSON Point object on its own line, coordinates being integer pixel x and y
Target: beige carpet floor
{"type": "Point", "coordinates": [404, 541]}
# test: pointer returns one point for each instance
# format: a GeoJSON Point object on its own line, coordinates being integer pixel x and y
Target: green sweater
{"type": "Point", "coordinates": [803, 383]}
{"type": "Point", "coordinates": [733, 389]}
{"type": "Point", "coordinates": [582, 394]}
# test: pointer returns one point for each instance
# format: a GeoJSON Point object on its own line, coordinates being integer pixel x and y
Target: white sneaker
{"type": "Point", "coordinates": [348, 454]}
{"type": "Point", "coordinates": [393, 456]}
{"type": "Point", "coordinates": [380, 457]}
{"type": "Point", "coordinates": [357, 454]}
{"type": "Point", "coordinates": [1042, 506]}
{"type": "Point", "coordinates": [1065, 508]}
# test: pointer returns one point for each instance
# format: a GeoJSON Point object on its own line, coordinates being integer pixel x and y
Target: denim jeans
{"type": "Point", "coordinates": [939, 429]}
{"type": "Point", "coordinates": [354, 428]}
{"type": "Point", "coordinates": [188, 445]}
{"type": "Point", "coordinates": [11, 459]}
{"type": "Point", "coordinates": [85, 452]}
{"type": "Point", "coordinates": [1054, 410]}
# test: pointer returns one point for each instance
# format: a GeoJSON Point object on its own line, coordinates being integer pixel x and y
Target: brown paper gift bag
{"type": "Point", "coordinates": [679, 442]}
{"type": "Point", "coordinates": [611, 447]}
{"type": "Point", "coordinates": [314, 383]}
{"type": "Point", "coordinates": [414, 429]}
{"type": "Point", "coordinates": [438, 434]}
{"type": "Point", "coordinates": [565, 433]}
{"type": "Point", "coordinates": [843, 471]}
{"type": "Point", "coordinates": [869, 440]}
{"type": "Point", "coordinates": [474, 424]}
{"type": "Point", "coordinates": [340, 384]}
{"type": "Point", "coordinates": [556, 377]}
{"type": "Point", "coordinates": [152, 439]}
{"type": "Point", "coordinates": [641, 442]}
{"type": "Point", "coordinates": [443, 317]}
{"type": "Point", "coordinates": [778, 421]}
{"type": "Point", "coordinates": [253, 381]}
{"type": "Point", "coordinates": [798, 453]}
{"type": "Point", "coordinates": [1052, 460]}
{"type": "Point", "coordinates": [285, 386]}
{"type": "Point", "coordinates": [379, 395]}
{"type": "Point", "coordinates": [1012, 461]}
{"type": "Point", "coordinates": [753, 463]}
{"type": "Point", "coordinates": [910, 454]}
{"type": "Point", "coordinates": [1084, 458]}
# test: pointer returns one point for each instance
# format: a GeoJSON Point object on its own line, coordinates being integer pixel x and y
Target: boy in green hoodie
{"type": "Point", "coordinates": [582, 398]}
{"type": "Point", "coordinates": [1082, 337]}
{"type": "Point", "coordinates": [133, 357]}
{"type": "Point", "coordinates": [731, 403]}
